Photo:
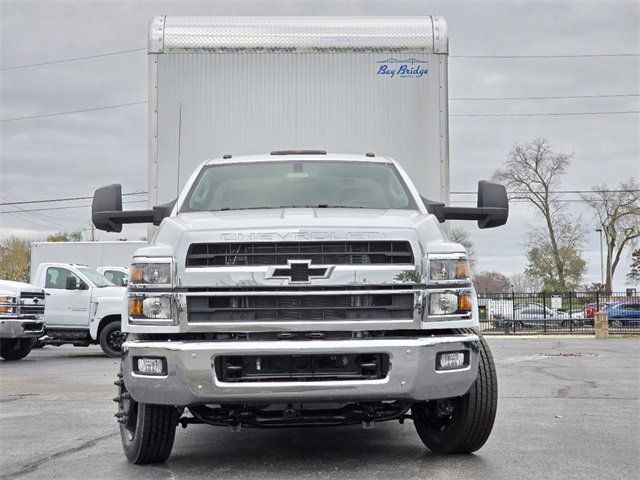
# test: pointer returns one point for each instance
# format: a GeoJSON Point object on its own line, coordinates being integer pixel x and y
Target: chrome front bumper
{"type": "Point", "coordinates": [21, 328]}
{"type": "Point", "coordinates": [191, 377]}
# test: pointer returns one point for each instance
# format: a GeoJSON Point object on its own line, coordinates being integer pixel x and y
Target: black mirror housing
{"type": "Point", "coordinates": [493, 198]}
{"type": "Point", "coordinates": [107, 199]}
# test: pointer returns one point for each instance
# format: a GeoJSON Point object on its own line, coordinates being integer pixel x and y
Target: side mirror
{"type": "Point", "coordinates": [125, 282]}
{"type": "Point", "coordinates": [107, 200]}
{"type": "Point", "coordinates": [492, 210]}
{"type": "Point", "coordinates": [492, 197]}
{"type": "Point", "coordinates": [107, 214]}
{"type": "Point", "coordinates": [72, 283]}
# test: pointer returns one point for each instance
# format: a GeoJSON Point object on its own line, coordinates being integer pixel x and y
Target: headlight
{"type": "Point", "coordinates": [148, 307]}
{"type": "Point", "coordinates": [7, 304]}
{"type": "Point", "coordinates": [449, 269]}
{"type": "Point", "coordinates": [147, 272]}
{"type": "Point", "coordinates": [450, 303]}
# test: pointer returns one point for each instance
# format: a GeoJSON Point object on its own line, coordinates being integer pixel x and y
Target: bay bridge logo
{"type": "Point", "coordinates": [409, 68]}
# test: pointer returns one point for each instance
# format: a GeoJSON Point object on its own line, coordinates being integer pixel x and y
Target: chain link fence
{"type": "Point", "coordinates": [557, 313]}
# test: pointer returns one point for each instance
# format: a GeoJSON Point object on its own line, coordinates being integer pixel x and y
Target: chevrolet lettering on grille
{"type": "Point", "coordinates": [299, 271]}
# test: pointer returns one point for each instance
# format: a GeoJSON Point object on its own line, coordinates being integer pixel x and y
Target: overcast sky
{"type": "Point", "coordinates": [71, 155]}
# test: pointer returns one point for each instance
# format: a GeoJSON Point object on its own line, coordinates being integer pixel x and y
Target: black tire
{"type": "Point", "coordinates": [469, 426]}
{"type": "Point", "coordinates": [15, 348]}
{"type": "Point", "coordinates": [111, 339]}
{"type": "Point", "coordinates": [147, 431]}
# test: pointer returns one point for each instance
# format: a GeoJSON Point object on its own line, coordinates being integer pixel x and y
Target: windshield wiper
{"type": "Point", "coordinates": [226, 209]}
{"type": "Point", "coordinates": [322, 205]}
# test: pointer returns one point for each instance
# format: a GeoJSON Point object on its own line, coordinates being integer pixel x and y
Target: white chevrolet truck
{"type": "Point", "coordinates": [301, 287]}
{"type": "Point", "coordinates": [21, 318]}
{"type": "Point", "coordinates": [83, 307]}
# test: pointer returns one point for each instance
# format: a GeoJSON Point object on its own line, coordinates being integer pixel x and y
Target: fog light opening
{"type": "Point", "coordinates": [150, 366]}
{"type": "Point", "coordinates": [452, 360]}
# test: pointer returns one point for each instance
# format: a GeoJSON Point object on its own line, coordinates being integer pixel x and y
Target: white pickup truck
{"type": "Point", "coordinates": [83, 307]}
{"type": "Point", "coordinates": [21, 318]}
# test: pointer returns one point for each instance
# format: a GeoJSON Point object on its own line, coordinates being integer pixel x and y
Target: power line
{"type": "Point", "coordinates": [74, 59]}
{"type": "Point", "coordinates": [584, 55]}
{"type": "Point", "coordinates": [559, 191]}
{"type": "Point", "coordinates": [451, 115]}
{"type": "Point", "coordinates": [51, 200]}
{"type": "Point", "coordinates": [59, 208]}
{"type": "Point", "coordinates": [548, 98]}
{"type": "Point", "coordinates": [93, 109]}
{"type": "Point", "coordinates": [551, 114]}
{"type": "Point", "coordinates": [120, 52]}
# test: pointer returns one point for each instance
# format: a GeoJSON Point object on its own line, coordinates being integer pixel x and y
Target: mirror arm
{"type": "Point", "coordinates": [468, 213]}
{"type": "Point", "coordinates": [116, 219]}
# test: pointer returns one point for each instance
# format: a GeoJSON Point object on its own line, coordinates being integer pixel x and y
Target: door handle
{"type": "Point", "coordinates": [47, 294]}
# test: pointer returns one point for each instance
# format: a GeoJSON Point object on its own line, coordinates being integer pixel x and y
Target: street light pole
{"type": "Point", "coordinates": [599, 230]}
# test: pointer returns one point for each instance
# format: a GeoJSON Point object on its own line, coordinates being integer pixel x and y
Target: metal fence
{"type": "Point", "coordinates": [557, 313]}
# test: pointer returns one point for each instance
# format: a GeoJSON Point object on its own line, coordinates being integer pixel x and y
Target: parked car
{"type": "Point", "coordinates": [531, 315]}
{"type": "Point", "coordinates": [623, 313]}
{"type": "Point", "coordinates": [590, 309]}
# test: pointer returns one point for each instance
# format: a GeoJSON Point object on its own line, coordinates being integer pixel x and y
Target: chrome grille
{"type": "Point", "coordinates": [320, 253]}
{"type": "Point", "coordinates": [31, 303]}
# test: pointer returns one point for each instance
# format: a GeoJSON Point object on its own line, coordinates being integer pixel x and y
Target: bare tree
{"type": "Point", "coordinates": [461, 236]}
{"type": "Point", "coordinates": [618, 215]}
{"type": "Point", "coordinates": [634, 273]}
{"type": "Point", "coordinates": [521, 282]}
{"type": "Point", "coordinates": [533, 172]}
{"type": "Point", "coordinates": [491, 282]}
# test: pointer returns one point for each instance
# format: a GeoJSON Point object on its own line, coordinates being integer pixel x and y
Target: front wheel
{"type": "Point", "coordinates": [111, 339]}
{"type": "Point", "coordinates": [463, 424]}
{"type": "Point", "coordinates": [15, 348]}
{"type": "Point", "coordinates": [147, 431]}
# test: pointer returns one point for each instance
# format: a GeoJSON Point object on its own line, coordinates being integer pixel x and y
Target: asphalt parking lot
{"type": "Point", "coordinates": [569, 408]}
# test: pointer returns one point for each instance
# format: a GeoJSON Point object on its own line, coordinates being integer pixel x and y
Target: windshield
{"type": "Point", "coordinates": [95, 278]}
{"type": "Point", "coordinates": [298, 184]}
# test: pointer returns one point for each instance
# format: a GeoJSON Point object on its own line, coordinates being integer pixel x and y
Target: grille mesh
{"type": "Point", "coordinates": [278, 253]}
{"type": "Point", "coordinates": [300, 308]}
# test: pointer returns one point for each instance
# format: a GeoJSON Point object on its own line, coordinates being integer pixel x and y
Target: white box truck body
{"type": "Point", "coordinates": [312, 285]}
{"type": "Point", "coordinates": [253, 85]}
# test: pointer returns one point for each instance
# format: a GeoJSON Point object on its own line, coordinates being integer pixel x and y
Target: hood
{"type": "Point", "coordinates": [9, 287]}
{"type": "Point", "coordinates": [106, 292]}
{"type": "Point", "coordinates": [297, 217]}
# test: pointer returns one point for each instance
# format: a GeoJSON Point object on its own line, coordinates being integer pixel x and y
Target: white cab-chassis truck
{"type": "Point", "coordinates": [83, 307]}
{"type": "Point", "coordinates": [21, 318]}
{"type": "Point", "coordinates": [300, 287]}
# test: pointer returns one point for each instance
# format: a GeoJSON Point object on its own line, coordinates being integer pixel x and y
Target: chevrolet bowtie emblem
{"type": "Point", "coordinates": [299, 271]}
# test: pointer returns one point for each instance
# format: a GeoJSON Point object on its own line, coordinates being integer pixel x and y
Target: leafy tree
{"type": "Point", "coordinates": [533, 173]}
{"type": "Point", "coordinates": [491, 282]}
{"type": "Point", "coordinates": [618, 215]}
{"type": "Point", "coordinates": [542, 259]}
{"type": "Point", "coordinates": [65, 237]}
{"type": "Point", "coordinates": [14, 259]}
{"type": "Point", "coordinates": [634, 274]}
